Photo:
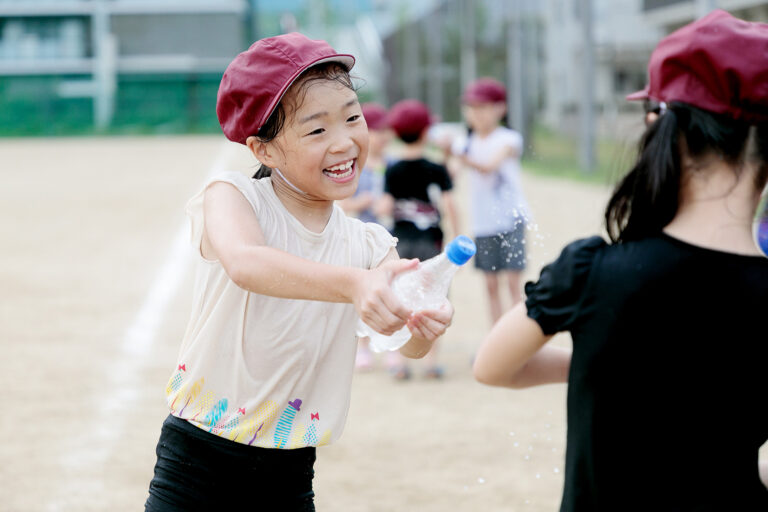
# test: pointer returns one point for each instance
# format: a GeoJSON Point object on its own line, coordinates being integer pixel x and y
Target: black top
{"type": "Point", "coordinates": [668, 387]}
{"type": "Point", "coordinates": [416, 214]}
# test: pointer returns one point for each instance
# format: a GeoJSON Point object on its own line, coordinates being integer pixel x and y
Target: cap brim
{"type": "Point", "coordinates": [639, 95]}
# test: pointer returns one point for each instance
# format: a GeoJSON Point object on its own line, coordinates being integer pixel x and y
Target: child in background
{"type": "Point", "coordinates": [371, 184]}
{"type": "Point", "coordinates": [415, 192]}
{"type": "Point", "coordinates": [265, 367]}
{"type": "Point", "coordinates": [369, 190]}
{"type": "Point", "coordinates": [666, 379]}
{"type": "Point", "coordinates": [498, 208]}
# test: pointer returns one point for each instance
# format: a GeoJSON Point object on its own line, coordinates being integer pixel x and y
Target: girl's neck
{"type": "Point", "coordinates": [375, 161]}
{"type": "Point", "coordinates": [413, 151]}
{"type": "Point", "coordinates": [716, 209]}
{"type": "Point", "coordinates": [312, 213]}
{"type": "Point", "coordinates": [485, 131]}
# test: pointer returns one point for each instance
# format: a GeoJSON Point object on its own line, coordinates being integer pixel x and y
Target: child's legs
{"type": "Point", "coordinates": [197, 470]}
{"type": "Point", "coordinates": [514, 279]}
{"type": "Point", "coordinates": [494, 298]}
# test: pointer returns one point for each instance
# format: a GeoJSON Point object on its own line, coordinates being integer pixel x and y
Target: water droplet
{"type": "Point", "coordinates": [511, 433]}
{"type": "Point", "coordinates": [515, 444]}
{"type": "Point", "coordinates": [480, 480]}
{"type": "Point", "coordinates": [547, 425]}
{"type": "Point", "coordinates": [556, 470]}
{"type": "Point", "coordinates": [530, 447]}
{"type": "Point", "coordinates": [538, 475]}
{"type": "Point", "coordinates": [535, 436]}
{"type": "Point", "coordinates": [527, 457]}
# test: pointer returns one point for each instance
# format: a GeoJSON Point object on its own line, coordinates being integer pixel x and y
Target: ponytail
{"type": "Point", "coordinates": [647, 198]}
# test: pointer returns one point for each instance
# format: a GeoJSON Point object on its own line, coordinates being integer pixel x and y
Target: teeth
{"type": "Point", "coordinates": [341, 167]}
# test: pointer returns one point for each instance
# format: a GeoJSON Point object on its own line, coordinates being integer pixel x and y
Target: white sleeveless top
{"type": "Point", "coordinates": [267, 371]}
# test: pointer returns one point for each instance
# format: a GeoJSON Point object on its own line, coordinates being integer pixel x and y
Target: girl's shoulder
{"type": "Point", "coordinates": [507, 136]}
{"type": "Point", "coordinates": [555, 299]}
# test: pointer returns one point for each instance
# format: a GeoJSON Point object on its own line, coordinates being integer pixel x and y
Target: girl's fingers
{"type": "Point", "coordinates": [428, 327]}
{"type": "Point", "coordinates": [383, 320]}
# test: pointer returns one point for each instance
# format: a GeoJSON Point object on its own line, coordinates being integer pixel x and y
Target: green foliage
{"type": "Point", "coordinates": [553, 154]}
{"type": "Point", "coordinates": [144, 104]}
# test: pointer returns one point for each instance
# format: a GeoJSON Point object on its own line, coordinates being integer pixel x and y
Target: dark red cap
{"type": "Point", "coordinates": [718, 63]}
{"type": "Point", "coordinates": [484, 90]}
{"type": "Point", "coordinates": [409, 118]}
{"type": "Point", "coordinates": [375, 116]}
{"type": "Point", "coordinates": [255, 81]}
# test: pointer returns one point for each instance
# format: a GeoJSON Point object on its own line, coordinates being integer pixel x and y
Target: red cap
{"type": "Point", "coordinates": [375, 116]}
{"type": "Point", "coordinates": [485, 90]}
{"type": "Point", "coordinates": [409, 117]}
{"type": "Point", "coordinates": [255, 81]}
{"type": "Point", "coordinates": [718, 63]}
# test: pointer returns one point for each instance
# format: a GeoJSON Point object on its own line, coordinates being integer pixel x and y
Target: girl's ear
{"type": "Point", "coordinates": [501, 109]}
{"type": "Point", "coordinates": [263, 151]}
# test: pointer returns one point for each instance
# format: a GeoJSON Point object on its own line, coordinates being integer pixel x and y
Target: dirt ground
{"type": "Point", "coordinates": [95, 297]}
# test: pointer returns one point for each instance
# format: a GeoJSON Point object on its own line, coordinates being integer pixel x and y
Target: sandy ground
{"type": "Point", "coordinates": [95, 297]}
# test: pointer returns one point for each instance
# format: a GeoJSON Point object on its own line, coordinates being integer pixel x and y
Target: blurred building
{"type": "Point", "coordinates": [67, 65]}
{"type": "Point", "coordinates": [135, 66]}
{"type": "Point", "coordinates": [672, 14]}
{"type": "Point", "coordinates": [623, 41]}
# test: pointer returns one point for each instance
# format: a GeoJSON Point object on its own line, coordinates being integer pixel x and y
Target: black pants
{"type": "Point", "coordinates": [196, 470]}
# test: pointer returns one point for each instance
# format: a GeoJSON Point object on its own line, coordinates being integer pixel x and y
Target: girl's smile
{"type": "Point", "coordinates": [343, 172]}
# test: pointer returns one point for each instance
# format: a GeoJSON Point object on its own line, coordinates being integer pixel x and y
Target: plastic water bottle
{"type": "Point", "coordinates": [425, 287]}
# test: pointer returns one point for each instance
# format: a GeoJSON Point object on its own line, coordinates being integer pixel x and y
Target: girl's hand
{"type": "Point", "coordinates": [426, 326]}
{"type": "Point", "coordinates": [375, 301]}
{"type": "Point", "coordinates": [431, 324]}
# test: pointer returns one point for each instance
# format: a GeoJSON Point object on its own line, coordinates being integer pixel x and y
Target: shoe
{"type": "Point", "coordinates": [434, 373]}
{"type": "Point", "coordinates": [400, 372]}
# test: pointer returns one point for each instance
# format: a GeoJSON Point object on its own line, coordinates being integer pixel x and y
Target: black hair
{"type": "Point", "coordinates": [334, 71]}
{"type": "Point", "coordinates": [761, 154]}
{"type": "Point", "coordinates": [647, 198]}
{"type": "Point", "coordinates": [409, 138]}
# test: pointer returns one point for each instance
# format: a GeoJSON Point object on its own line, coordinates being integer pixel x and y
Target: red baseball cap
{"type": "Point", "coordinates": [255, 81]}
{"type": "Point", "coordinates": [409, 117]}
{"type": "Point", "coordinates": [718, 63]}
{"type": "Point", "coordinates": [375, 116]}
{"type": "Point", "coordinates": [484, 90]}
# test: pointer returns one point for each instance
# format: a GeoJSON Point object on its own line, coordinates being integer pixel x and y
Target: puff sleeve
{"type": "Point", "coordinates": [378, 242]}
{"type": "Point", "coordinates": [556, 299]}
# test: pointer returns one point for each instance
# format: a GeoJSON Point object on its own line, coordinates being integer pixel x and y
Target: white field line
{"type": "Point", "coordinates": [117, 396]}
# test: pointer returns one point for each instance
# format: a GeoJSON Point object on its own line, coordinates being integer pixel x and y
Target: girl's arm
{"type": "Point", "coordinates": [450, 209]}
{"type": "Point", "coordinates": [384, 205]}
{"type": "Point", "coordinates": [356, 204]}
{"type": "Point", "coordinates": [763, 467]}
{"type": "Point", "coordinates": [493, 164]}
{"type": "Point", "coordinates": [233, 235]}
{"type": "Point", "coordinates": [514, 354]}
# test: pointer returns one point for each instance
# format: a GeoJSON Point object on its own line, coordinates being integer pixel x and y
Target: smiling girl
{"type": "Point", "coordinates": [265, 367]}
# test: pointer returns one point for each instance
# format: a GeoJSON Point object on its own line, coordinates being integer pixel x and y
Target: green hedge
{"type": "Point", "coordinates": [143, 104]}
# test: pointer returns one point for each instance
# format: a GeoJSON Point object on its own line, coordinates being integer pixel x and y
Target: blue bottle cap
{"type": "Point", "coordinates": [460, 250]}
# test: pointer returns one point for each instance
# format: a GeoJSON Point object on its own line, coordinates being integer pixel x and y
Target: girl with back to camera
{"type": "Point", "coordinates": [265, 367]}
{"type": "Point", "coordinates": [667, 389]}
